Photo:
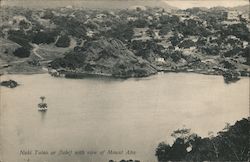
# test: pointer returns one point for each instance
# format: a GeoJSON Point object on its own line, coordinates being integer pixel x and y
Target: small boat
{"type": "Point", "coordinates": [42, 106]}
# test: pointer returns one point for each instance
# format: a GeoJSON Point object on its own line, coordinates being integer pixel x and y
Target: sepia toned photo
{"type": "Point", "coordinates": [124, 80]}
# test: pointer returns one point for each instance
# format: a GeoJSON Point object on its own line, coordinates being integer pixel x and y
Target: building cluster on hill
{"type": "Point", "coordinates": [198, 39]}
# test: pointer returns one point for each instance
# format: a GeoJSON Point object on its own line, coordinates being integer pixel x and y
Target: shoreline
{"type": "Point", "coordinates": [79, 75]}
{"type": "Point", "coordinates": [229, 76]}
{"type": "Point", "coordinates": [83, 76]}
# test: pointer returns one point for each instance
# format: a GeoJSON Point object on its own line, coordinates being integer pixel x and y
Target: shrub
{"type": "Point", "coordinates": [44, 37]}
{"type": "Point", "coordinates": [186, 44]}
{"type": "Point", "coordinates": [22, 52]}
{"type": "Point", "coordinates": [20, 38]}
{"type": "Point", "coordinates": [176, 56]}
{"type": "Point", "coordinates": [231, 144]}
{"type": "Point", "coordinates": [63, 41]}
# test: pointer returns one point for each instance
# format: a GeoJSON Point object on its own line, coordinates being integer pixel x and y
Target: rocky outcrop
{"type": "Point", "coordinates": [9, 83]}
{"type": "Point", "coordinates": [108, 57]}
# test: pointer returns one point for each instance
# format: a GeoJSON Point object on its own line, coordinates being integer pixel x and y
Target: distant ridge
{"type": "Point", "coordinates": [95, 4]}
{"type": "Point", "coordinates": [244, 9]}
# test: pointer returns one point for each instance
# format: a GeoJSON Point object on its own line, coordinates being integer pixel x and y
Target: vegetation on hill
{"type": "Point", "coordinates": [63, 41]}
{"type": "Point", "coordinates": [198, 39]}
{"type": "Point", "coordinates": [45, 37]}
{"type": "Point", "coordinates": [104, 56]}
{"type": "Point", "coordinates": [22, 52]}
{"type": "Point", "coordinates": [20, 37]}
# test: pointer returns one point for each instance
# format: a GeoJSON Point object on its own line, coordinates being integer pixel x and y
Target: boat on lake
{"type": "Point", "coordinates": [42, 106]}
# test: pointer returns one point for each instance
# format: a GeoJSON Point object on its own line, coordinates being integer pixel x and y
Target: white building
{"type": "Point", "coordinates": [130, 18]}
{"type": "Point", "coordinates": [233, 15]}
{"type": "Point", "coordinates": [244, 16]}
{"type": "Point", "coordinates": [233, 37]}
{"type": "Point", "coordinates": [100, 16]}
{"type": "Point", "coordinates": [176, 48]}
{"type": "Point", "coordinates": [150, 18]}
{"type": "Point", "coordinates": [244, 44]}
{"type": "Point", "coordinates": [160, 60]}
{"type": "Point", "coordinates": [90, 33]}
{"type": "Point", "coordinates": [140, 32]}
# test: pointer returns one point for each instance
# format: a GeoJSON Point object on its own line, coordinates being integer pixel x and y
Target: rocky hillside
{"type": "Point", "coordinates": [105, 57]}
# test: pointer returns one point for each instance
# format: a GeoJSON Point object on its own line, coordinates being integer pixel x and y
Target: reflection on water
{"type": "Point", "coordinates": [43, 115]}
{"type": "Point", "coordinates": [96, 115]}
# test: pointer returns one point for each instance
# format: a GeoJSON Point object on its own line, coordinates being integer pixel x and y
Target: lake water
{"type": "Point", "coordinates": [118, 115]}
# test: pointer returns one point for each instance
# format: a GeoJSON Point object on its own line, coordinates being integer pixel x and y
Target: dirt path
{"type": "Point", "coordinates": [34, 50]}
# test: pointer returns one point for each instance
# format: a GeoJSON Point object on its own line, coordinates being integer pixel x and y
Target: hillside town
{"type": "Point", "coordinates": [135, 42]}
{"type": "Point", "coordinates": [144, 83]}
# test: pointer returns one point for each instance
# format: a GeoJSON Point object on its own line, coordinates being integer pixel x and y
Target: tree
{"type": "Point", "coordinates": [20, 37]}
{"type": "Point", "coordinates": [44, 37]}
{"type": "Point", "coordinates": [211, 49]}
{"type": "Point", "coordinates": [175, 39]}
{"type": "Point", "coordinates": [121, 31]}
{"type": "Point", "coordinates": [187, 44]}
{"type": "Point", "coordinates": [239, 30]}
{"type": "Point", "coordinates": [140, 23]}
{"type": "Point", "coordinates": [165, 29]}
{"type": "Point", "coordinates": [228, 64]}
{"type": "Point", "coordinates": [71, 60]}
{"type": "Point", "coordinates": [23, 24]}
{"type": "Point", "coordinates": [173, 20]}
{"type": "Point", "coordinates": [176, 55]}
{"type": "Point", "coordinates": [48, 14]}
{"type": "Point", "coordinates": [245, 53]}
{"type": "Point", "coordinates": [231, 144]}
{"type": "Point", "coordinates": [162, 152]}
{"type": "Point", "coordinates": [42, 98]}
{"type": "Point", "coordinates": [233, 52]}
{"type": "Point", "coordinates": [63, 41]}
{"type": "Point", "coordinates": [22, 52]}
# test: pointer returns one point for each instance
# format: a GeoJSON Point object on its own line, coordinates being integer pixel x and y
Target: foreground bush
{"type": "Point", "coordinates": [231, 144]}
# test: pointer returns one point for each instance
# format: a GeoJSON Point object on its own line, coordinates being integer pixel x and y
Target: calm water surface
{"type": "Point", "coordinates": [119, 115]}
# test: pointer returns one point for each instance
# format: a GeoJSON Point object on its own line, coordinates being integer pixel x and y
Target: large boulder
{"type": "Point", "coordinates": [9, 83]}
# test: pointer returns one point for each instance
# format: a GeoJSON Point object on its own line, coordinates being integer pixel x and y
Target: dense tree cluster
{"type": "Point", "coordinates": [145, 48]}
{"type": "Point", "coordinates": [186, 44]}
{"type": "Point", "coordinates": [176, 39]}
{"type": "Point", "coordinates": [20, 37]}
{"type": "Point", "coordinates": [48, 14]}
{"type": "Point", "coordinates": [63, 41]}
{"type": "Point", "coordinates": [231, 144]}
{"type": "Point", "coordinates": [45, 37]}
{"type": "Point", "coordinates": [239, 30]}
{"type": "Point", "coordinates": [22, 52]}
{"type": "Point", "coordinates": [24, 25]}
{"type": "Point", "coordinates": [121, 31]}
{"type": "Point", "coordinates": [70, 26]}
{"type": "Point", "coordinates": [71, 61]}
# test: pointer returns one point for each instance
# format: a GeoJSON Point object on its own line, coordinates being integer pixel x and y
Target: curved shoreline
{"type": "Point", "coordinates": [82, 75]}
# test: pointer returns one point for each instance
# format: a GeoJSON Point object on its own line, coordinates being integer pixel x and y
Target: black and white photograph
{"type": "Point", "coordinates": [124, 80]}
